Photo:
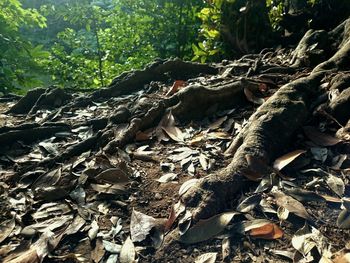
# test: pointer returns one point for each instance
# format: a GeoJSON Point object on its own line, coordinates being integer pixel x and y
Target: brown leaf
{"type": "Point", "coordinates": [6, 229]}
{"type": "Point", "coordinates": [30, 256]}
{"type": "Point", "coordinates": [320, 138]}
{"type": "Point", "coordinates": [170, 221]}
{"type": "Point", "coordinates": [269, 231]}
{"type": "Point", "coordinates": [289, 203]}
{"type": "Point", "coordinates": [216, 124]}
{"type": "Point", "coordinates": [286, 159]}
{"type": "Point", "coordinates": [98, 252]}
{"type": "Point", "coordinates": [252, 98]}
{"type": "Point", "coordinates": [113, 176]}
{"type": "Point", "coordinates": [345, 258]}
{"type": "Point", "coordinates": [178, 84]}
{"type": "Point", "coordinates": [142, 136]}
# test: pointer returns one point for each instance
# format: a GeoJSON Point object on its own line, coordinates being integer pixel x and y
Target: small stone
{"type": "Point", "coordinates": [158, 196]}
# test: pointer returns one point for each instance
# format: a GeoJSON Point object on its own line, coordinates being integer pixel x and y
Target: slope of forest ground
{"type": "Point", "coordinates": [239, 161]}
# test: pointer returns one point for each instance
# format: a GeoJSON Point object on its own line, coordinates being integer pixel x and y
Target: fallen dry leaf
{"type": "Point", "coordinates": [128, 252]}
{"type": "Point", "coordinates": [98, 252]}
{"type": "Point", "coordinates": [171, 219]}
{"type": "Point", "coordinates": [143, 136]}
{"type": "Point", "coordinates": [113, 176]}
{"type": "Point", "coordinates": [178, 84]}
{"type": "Point", "coordinates": [320, 138]}
{"type": "Point", "coordinates": [140, 226]}
{"type": "Point", "coordinates": [342, 258]}
{"type": "Point", "coordinates": [186, 186]}
{"type": "Point", "coordinates": [269, 231]}
{"type": "Point", "coordinates": [167, 124]}
{"type": "Point", "coordinates": [252, 98]}
{"type": "Point", "coordinates": [249, 203]}
{"type": "Point", "coordinates": [216, 124]}
{"type": "Point", "coordinates": [226, 248]}
{"type": "Point", "coordinates": [305, 239]}
{"type": "Point", "coordinates": [207, 229]}
{"type": "Point", "coordinates": [168, 177]}
{"type": "Point", "coordinates": [286, 159]}
{"type": "Point", "coordinates": [343, 220]}
{"type": "Point", "coordinates": [206, 258]}
{"type": "Point", "coordinates": [291, 204]}
{"type": "Point", "coordinates": [6, 229]}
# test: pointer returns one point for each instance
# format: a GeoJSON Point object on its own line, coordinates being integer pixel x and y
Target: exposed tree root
{"type": "Point", "coordinates": [30, 133]}
{"type": "Point", "coordinates": [285, 111]}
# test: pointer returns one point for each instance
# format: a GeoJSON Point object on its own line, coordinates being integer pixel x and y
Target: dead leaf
{"type": "Point", "coordinates": [219, 135]}
{"type": "Point", "coordinates": [336, 184]}
{"type": "Point", "coordinates": [203, 161]}
{"type": "Point", "coordinates": [167, 178]}
{"type": "Point", "coordinates": [142, 136]}
{"type": "Point", "coordinates": [269, 231]}
{"type": "Point", "coordinates": [286, 159]}
{"type": "Point", "coordinates": [282, 213]}
{"type": "Point", "coordinates": [283, 253]}
{"type": "Point", "coordinates": [249, 203]}
{"type": "Point", "coordinates": [140, 226]}
{"type": "Point", "coordinates": [305, 240]}
{"type": "Point", "coordinates": [168, 126]}
{"type": "Point", "coordinates": [320, 138]}
{"type": "Point", "coordinates": [292, 205]}
{"type": "Point", "coordinates": [128, 252]}
{"type": "Point", "coordinates": [112, 247]}
{"type": "Point", "coordinates": [171, 219]}
{"type": "Point", "coordinates": [191, 169]}
{"type": "Point", "coordinates": [113, 176]}
{"type": "Point", "coordinates": [178, 84]}
{"type": "Point", "coordinates": [207, 229]}
{"type": "Point", "coordinates": [226, 249]}
{"type": "Point", "coordinates": [109, 188]}
{"type": "Point", "coordinates": [93, 230]}
{"type": "Point", "coordinates": [343, 220]}
{"type": "Point", "coordinates": [186, 186]}
{"type": "Point", "coordinates": [303, 195]}
{"type": "Point", "coordinates": [37, 251]}
{"type": "Point", "coordinates": [98, 252]}
{"type": "Point", "coordinates": [206, 258]}
{"type": "Point", "coordinates": [252, 98]}
{"type": "Point", "coordinates": [331, 199]}
{"type": "Point", "coordinates": [48, 179]}
{"type": "Point", "coordinates": [216, 124]}
{"type": "Point", "coordinates": [6, 229]}
{"type": "Point", "coordinates": [342, 259]}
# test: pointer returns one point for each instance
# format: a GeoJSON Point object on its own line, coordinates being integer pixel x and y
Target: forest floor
{"type": "Point", "coordinates": [70, 194]}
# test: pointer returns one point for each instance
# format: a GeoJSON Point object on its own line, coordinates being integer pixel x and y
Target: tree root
{"type": "Point", "coordinates": [30, 133]}
{"type": "Point", "coordinates": [286, 110]}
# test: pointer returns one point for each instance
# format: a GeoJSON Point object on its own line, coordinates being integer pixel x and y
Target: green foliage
{"type": "Point", "coordinates": [93, 41]}
{"type": "Point", "coordinates": [19, 59]}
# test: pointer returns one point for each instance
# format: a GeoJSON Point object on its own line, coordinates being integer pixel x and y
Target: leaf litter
{"type": "Point", "coordinates": [94, 195]}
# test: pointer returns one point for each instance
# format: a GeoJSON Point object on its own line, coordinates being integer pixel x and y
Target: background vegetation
{"type": "Point", "coordinates": [86, 43]}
